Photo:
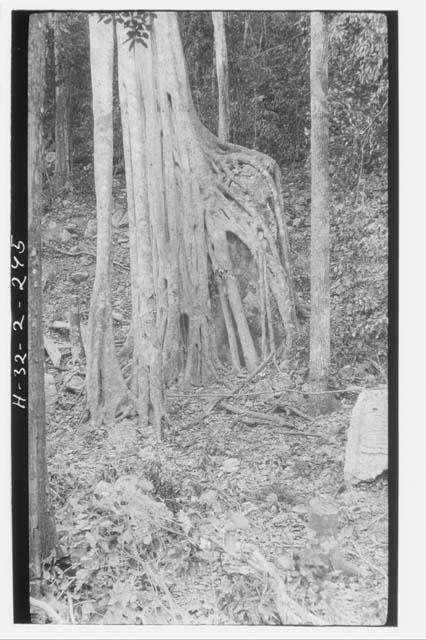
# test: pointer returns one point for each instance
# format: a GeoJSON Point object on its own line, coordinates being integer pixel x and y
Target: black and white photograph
{"type": "Point", "coordinates": [204, 317]}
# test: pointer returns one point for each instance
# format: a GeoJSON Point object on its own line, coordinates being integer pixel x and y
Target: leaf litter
{"type": "Point", "coordinates": [210, 526]}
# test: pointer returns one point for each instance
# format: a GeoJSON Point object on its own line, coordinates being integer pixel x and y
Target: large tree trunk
{"type": "Point", "coordinates": [221, 55]}
{"type": "Point", "coordinates": [62, 150]}
{"type": "Point", "coordinates": [194, 189]}
{"type": "Point", "coordinates": [106, 390]}
{"type": "Point", "coordinates": [41, 525]}
{"type": "Point", "coordinates": [320, 187]}
{"type": "Point", "coordinates": [144, 196]}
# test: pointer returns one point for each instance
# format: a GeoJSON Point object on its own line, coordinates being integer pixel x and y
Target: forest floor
{"type": "Point", "coordinates": [212, 525]}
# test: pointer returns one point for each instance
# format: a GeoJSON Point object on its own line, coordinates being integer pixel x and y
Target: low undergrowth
{"type": "Point", "coordinates": [212, 525]}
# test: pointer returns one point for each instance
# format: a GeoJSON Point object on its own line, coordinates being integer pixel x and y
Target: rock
{"type": "Point", "coordinates": [52, 351]}
{"type": "Point", "coordinates": [53, 232]}
{"type": "Point", "coordinates": [59, 325]}
{"type": "Point", "coordinates": [50, 394]}
{"type": "Point", "coordinates": [65, 236]}
{"type": "Point", "coordinates": [91, 229]}
{"type": "Point", "coordinates": [208, 497]}
{"type": "Point", "coordinates": [79, 276]}
{"type": "Point", "coordinates": [230, 465]}
{"type": "Point", "coordinates": [75, 383]}
{"type": "Point", "coordinates": [120, 219]}
{"type": "Point", "coordinates": [116, 315]}
{"type": "Point", "coordinates": [366, 454]}
{"type": "Point", "coordinates": [323, 516]}
{"type": "Point", "coordinates": [50, 158]}
{"type": "Point", "coordinates": [286, 562]}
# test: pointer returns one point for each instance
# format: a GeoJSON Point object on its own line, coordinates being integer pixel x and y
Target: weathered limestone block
{"type": "Point", "coordinates": [367, 446]}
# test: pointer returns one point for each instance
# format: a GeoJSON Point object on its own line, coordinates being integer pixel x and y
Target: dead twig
{"type": "Point", "coordinates": [71, 609]}
{"type": "Point", "coordinates": [293, 409]}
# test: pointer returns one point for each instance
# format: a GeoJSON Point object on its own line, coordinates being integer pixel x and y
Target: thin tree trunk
{"type": "Point", "coordinates": [62, 151]}
{"type": "Point", "coordinates": [320, 187]}
{"type": "Point", "coordinates": [41, 524]}
{"type": "Point", "coordinates": [106, 389]}
{"type": "Point", "coordinates": [221, 54]}
{"type": "Point", "coordinates": [246, 29]}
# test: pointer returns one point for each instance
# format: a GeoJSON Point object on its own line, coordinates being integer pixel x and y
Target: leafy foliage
{"type": "Point", "coordinates": [359, 279]}
{"type": "Point", "coordinates": [358, 84]}
{"type": "Point", "coordinates": [137, 24]}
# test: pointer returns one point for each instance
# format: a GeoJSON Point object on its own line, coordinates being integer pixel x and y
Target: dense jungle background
{"type": "Point", "coordinates": [214, 524]}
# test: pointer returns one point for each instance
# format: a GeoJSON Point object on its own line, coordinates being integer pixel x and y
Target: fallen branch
{"type": "Point", "coordinates": [253, 417]}
{"type": "Point", "coordinates": [275, 394]}
{"type": "Point", "coordinates": [70, 609]}
{"type": "Point", "coordinates": [256, 415]}
{"type": "Point", "coordinates": [50, 611]}
{"type": "Point", "coordinates": [233, 391]}
{"type": "Point", "coordinates": [293, 409]}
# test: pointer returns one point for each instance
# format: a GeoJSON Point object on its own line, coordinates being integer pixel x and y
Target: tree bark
{"type": "Point", "coordinates": [186, 191]}
{"type": "Point", "coordinates": [106, 389]}
{"type": "Point", "coordinates": [143, 194]}
{"type": "Point", "coordinates": [221, 55]}
{"type": "Point", "coordinates": [41, 524]}
{"type": "Point", "coordinates": [320, 199]}
{"type": "Point", "coordinates": [62, 150]}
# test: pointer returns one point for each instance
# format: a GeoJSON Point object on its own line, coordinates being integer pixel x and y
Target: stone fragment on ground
{"type": "Point", "coordinates": [65, 236]}
{"type": "Point", "coordinates": [91, 229]}
{"type": "Point", "coordinates": [74, 383]}
{"type": "Point", "coordinates": [366, 454]}
{"type": "Point", "coordinates": [79, 276]}
{"type": "Point", "coordinates": [52, 351]}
